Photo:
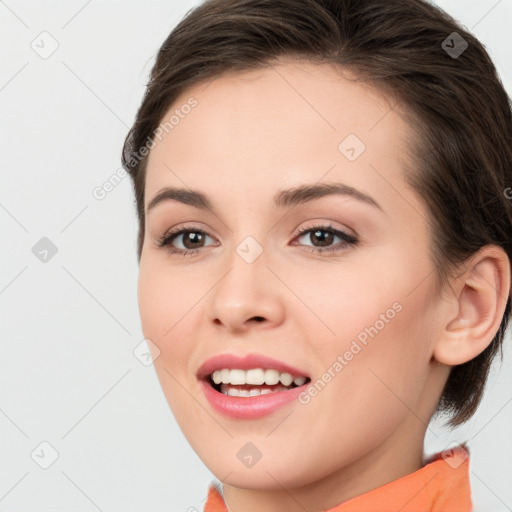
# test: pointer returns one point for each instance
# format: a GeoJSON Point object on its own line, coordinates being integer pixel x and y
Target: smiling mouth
{"type": "Point", "coordinates": [253, 382]}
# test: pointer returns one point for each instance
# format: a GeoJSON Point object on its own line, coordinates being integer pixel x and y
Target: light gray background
{"type": "Point", "coordinates": [68, 373]}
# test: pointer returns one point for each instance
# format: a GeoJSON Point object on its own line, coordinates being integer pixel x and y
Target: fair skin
{"type": "Point", "coordinates": [250, 135]}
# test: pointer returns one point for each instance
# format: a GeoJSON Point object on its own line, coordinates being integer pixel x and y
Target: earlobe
{"type": "Point", "coordinates": [479, 298]}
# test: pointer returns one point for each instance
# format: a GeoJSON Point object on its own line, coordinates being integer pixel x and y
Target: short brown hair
{"type": "Point", "coordinates": [459, 111]}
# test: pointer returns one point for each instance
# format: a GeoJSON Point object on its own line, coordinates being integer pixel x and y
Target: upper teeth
{"type": "Point", "coordinates": [256, 376]}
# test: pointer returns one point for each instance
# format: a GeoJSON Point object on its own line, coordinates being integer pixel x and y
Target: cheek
{"type": "Point", "coordinates": [164, 299]}
{"type": "Point", "coordinates": [371, 340]}
{"type": "Point", "coordinates": [385, 355]}
{"type": "Point", "coordinates": [371, 297]}
{"type": "Point", "coordinates": [341, 302]}
{"type": "Point", "coordinates": [166, 305]}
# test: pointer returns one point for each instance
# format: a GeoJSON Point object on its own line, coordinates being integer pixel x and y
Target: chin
{"type": "Point", "coordinates": [272, 474]}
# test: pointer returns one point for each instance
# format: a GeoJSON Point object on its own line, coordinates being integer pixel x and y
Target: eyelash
{"type": "Point", "coordinates": [347, 240]}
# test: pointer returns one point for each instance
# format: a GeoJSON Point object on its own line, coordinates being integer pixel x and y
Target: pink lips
{"type": "Point", "coordinates": [247, 407]}
{"type": "Point", "coordinates": [245, 363]}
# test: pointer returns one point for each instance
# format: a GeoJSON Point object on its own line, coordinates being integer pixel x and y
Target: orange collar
{"type": "Point", "coordinates": [442, 485]}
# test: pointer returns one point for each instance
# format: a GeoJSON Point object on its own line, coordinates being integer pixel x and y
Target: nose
{"type": "Point", "coordinates": [248, 295]}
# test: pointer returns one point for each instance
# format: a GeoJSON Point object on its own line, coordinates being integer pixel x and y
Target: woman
{"type": "Point", "coordinates": [324, 246]}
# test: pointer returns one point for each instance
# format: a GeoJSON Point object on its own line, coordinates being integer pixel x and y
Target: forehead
{"type": "Point", "coordinates": [286, 123]}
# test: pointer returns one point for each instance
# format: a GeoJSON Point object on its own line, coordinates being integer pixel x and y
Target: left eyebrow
{"type": "Point", "coordinates": [305, 193]}
{"type": "Point", "coordinates": [282, 199]}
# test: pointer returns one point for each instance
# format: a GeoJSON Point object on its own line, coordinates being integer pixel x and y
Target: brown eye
{"type": "Point", "coordinates": [322, 238]}
{"type": "Point", "coordinates": [191, 240]}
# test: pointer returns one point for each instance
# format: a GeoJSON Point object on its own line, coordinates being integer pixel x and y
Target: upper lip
{"type": "Point", "coordinates": [246, 362]}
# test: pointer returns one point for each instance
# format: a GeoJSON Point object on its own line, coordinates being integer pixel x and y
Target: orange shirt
{"type": "Point", "coordinates": [442, 485]}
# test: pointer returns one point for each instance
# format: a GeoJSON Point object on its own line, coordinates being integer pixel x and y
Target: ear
{"type": "Point", "coordinates": [479, 299]}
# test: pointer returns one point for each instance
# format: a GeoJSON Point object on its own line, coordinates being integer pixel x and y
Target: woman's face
{"type": "Point", "coordinates": [349, 303]}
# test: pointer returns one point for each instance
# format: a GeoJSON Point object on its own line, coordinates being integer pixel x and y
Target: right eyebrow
{"type": "Point", "coordinates": [182, 195]}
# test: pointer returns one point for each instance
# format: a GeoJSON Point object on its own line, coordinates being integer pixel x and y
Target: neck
{"type": "Point", "coordinates": [399, 455]}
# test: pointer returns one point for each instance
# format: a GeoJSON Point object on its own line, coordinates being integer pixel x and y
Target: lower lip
{"type": "Point", "coordinates": [249, 407]}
